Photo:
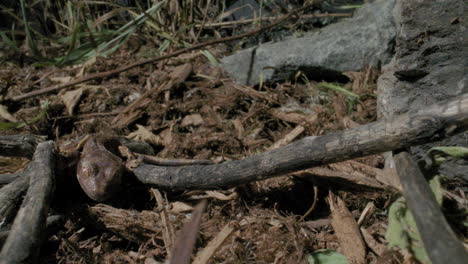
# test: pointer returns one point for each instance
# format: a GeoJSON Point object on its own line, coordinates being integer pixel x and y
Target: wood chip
{"type": "Point", "coordinates": [347, 231]}
{"type": "Point", "coordinates": [376, 247]}
{"type": "Point", "coordinates": [205, 254]}
{"type": "Point", "coordinates": [6, 115]}
{"type": "Point", "coordinates": [288, 138]}
{"type": "Point", "coordinates": [71, 99]}
{"type": "Point", "coordinates": [192, 120]}
{"type": "Point", "coordinates": [144, 134]}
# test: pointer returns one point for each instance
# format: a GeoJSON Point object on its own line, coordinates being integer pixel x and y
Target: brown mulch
{"type": "Point", "coordinates": [206, 117]}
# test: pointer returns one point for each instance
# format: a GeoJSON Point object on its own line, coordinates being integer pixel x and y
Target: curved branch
{"type": "Point", "coordinates": [433, 123]}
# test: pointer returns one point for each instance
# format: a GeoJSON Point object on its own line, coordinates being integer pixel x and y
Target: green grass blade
{"type": "Point", "coordinates": [339, 89]}
{"type": "Point", "coordinates": [8, 125]}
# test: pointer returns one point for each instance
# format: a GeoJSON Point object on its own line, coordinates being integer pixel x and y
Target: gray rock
{"type": "Point", "coordinates": [244, 9]}
{"type": "Point", "coordinates": [368, 37]}
{"type": "Point", "coordinates": [430, 65]}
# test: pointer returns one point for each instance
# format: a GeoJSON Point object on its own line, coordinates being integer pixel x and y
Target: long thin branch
{"type": "Point", "coordinates": [159, 58]}
{"type": "Point", "coordinates": [433, 123]}
{"type": "Point", "coordinates": [430, 221]}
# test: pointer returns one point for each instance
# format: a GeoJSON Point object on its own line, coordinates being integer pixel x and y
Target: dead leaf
{"type": "Point", "coordinates": [6, 115]}
{"type": "Point", "coordinates": [180, 207]}
{"type": "Point", "coordinates": [192, 120]}
{"type": "Point", "coordinates": [349, 123]}
{"type": "Point", "coordinates": [205, 254]}
{"type": "Point", "coordinates": [71, 99]}
{"type": "Point", "coordinates": [288, 138]}
{"type": "Point", "coordinates": [144, 134]}
{"type": "Point", "coordinates": [294, 117]}
{"type": "Point", "coordinates": [347, 231]}
{"type": "Point", "coordinates": [376, 247]}
{"type": "Point", "coordinates": [221, 196]}
{"type": "Point", "coordinates": [166, 136]}
{"type": "Point", "coordinates": [64, 79]}
{"type": "Point", "coordinates": [181, 73]}
{"type": "Point", "coordinates": [239, 127]}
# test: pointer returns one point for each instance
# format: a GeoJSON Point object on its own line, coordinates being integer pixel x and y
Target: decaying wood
{"type": "Point", "coordinates": [11, 195]}
{"type": "Point", "coordinates": [378, 248]}
{"type": "Point", "coordinates": [8, 178]}
{"type": "Point", "coordinates": [347, 231]}
{"type": "Point", "coordinates": [24, 240]}
{"type": "Point", "coordinates": [53, 222]}
{"type": "Point", "coordinates": [432, 123]}
{"type": "Point", "coordinates": [204, 255]}
{"type": "Point", "coordinates": [19, 145]}
{"type": "Point", "coordinates": [355, 177]}
{"type": "Point", "coordinates": [440, 242]}
{"type": "Point", "coordinates": [143, 226]}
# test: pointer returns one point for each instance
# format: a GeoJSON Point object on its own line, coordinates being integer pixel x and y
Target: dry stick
{"type": "Point", "coordinates": [183, 246]}
{"type": "Point", "coordinates": [24, 240]}
{"type": "Point", "coordinates": [433, 123]}
{"type": "Point", "coordinates": [53, 222]}
{"type": "Point", "coordinates": [7, 178]}
{"type": "Point", "coordinates": [155, 59]}
{"type": "Point", "coordinates": [19, 145]}
{"type": "Point", "coordinates": [11, 195]}
{"type": "Point", "coordinates": [171, 162]}
{"type": "Point", "coordinates": [441, 244]}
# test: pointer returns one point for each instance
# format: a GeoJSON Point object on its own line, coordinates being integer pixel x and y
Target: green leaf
{"type": "Point", "coordinates": [9, 42]}
{"type": "Point", "coordinates": [107, 41]}
{"type": "Point", "coordinates": [340, 89]}
{"type": "Point", "coordinates": [352, 97]}
{"type": "Point", "coordinates": [210, 57]}
{"type": "Point", "coordinates": [402, 231]}
{"type": "Point", "coordinates": [436, 156]}
{"type": "Point", "coordinates": [348, 6]}
{"type": "Point", "coordinates": [437, 189]}
{"type": "Point", "coordinates": [456, 152]}
{"type": "Point", "coordinates": [326, 256]}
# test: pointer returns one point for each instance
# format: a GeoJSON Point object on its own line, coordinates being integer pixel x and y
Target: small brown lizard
{"type": "Point", "coordinates": [99, 172]}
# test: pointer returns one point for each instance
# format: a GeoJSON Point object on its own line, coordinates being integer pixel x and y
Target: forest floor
{"type": "Point", "coordinates": [204, 116]}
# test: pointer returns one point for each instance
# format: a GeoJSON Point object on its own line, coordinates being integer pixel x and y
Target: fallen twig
{"type": "Point", "coordinates": [183, 246]}
{"type": "Point", "coordinates": [10, 197]}
{"type": "Point", "coordinates": [433, 123]}
{"type": "Point", "coordinates": [8, 178]}
{"type": "Point", "coordinates": [440, 242]}
{"type": "Point", "coordinates": [347, 230]}
{"type": "Point", "coordinates": [24, 240]}
{"type": "Point", "coordinates": [19, 145]}
{"type": "Point", "coordinates": [100, 75]}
